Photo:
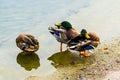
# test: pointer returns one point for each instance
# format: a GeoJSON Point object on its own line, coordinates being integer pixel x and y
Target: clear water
{"type": "Point", "coordinates": [34, 17]}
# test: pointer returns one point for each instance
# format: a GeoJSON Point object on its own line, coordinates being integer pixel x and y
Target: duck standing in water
{"type": "Point", "coordinates": [27, 43]}
{"type": "Point", "coordinates": [67, 32]}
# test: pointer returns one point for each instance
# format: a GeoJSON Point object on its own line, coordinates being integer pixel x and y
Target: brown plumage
{"type": "Point", "coordinates": [27, 42]}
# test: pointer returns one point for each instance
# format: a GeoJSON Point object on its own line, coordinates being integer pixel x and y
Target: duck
{"type": "Point", "coordinates": [85, 43]}
{"type": "Point", "coordinates": [27, 43]}
{"type": "Point", "coordinates": [64, 32]}
{"type": "Point", "coordinates": [78, 41]}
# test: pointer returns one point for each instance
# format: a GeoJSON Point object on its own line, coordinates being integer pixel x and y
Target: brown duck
{"type": "Point", "coordinates": [27, 42]}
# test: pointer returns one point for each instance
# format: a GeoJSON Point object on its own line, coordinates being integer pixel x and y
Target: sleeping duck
{"type": "Point", "coordinates": [27, 43]}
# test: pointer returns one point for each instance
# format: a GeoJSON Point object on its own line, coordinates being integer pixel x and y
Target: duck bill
{"type": "Point", "coordinates": [58, 24]}
{"type": "Point", "coordinates": [87, 36]}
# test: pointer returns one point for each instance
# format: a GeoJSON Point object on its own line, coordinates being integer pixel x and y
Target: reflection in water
{"type": "Point", "coordinates": [28, 60]}
{"type": "Point", "coordinates": [65, 58]}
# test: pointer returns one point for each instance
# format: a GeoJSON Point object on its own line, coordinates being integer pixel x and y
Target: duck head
{"type": "Point", "coordinates": [84, 33]}
{"type": "Point", "coordinates": [64, 24]}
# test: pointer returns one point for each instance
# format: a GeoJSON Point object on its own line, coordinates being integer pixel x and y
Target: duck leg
{"type": "Point", "coordinates": [60, 46]}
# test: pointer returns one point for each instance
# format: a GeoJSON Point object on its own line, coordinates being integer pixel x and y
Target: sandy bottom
{"type": "Point", "coordinates": [104, 65]}
{"type": "Point", "coordinates": [113, 75]}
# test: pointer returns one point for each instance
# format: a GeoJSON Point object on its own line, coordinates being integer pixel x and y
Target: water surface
{"type": "Point", "coordinates": [34, 17]}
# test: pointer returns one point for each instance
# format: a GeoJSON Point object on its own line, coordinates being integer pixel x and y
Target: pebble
{"type": "Point", "coordinates": [118, 61]}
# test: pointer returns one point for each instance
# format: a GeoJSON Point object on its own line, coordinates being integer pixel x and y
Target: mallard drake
{"type": "Point", "coordinates": [60, 37]}
{"type": "Point", "coordinates": [27, 43]}
{"type": "Point", "coordinates": [84, 43]}
{"type": "Point", "coordinates": [64, 32]}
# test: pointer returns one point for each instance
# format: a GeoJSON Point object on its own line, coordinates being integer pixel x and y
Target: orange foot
{"type": "Point", "coordinates": [85, 54]}
{"type": "Point", "coordinates": [82, 52]}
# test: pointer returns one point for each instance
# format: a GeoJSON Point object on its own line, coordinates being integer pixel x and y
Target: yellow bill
{"type": "Point", "coordinates": [87, 36]}
{"type": "Point", "coordinates": [58, 24]}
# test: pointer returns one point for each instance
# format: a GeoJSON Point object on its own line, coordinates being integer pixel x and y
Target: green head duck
{"type": "Point", "coordinates": [64, 24]}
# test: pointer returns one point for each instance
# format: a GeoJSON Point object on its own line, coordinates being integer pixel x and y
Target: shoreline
{"type": "Point", "coordinates": [105, 60]}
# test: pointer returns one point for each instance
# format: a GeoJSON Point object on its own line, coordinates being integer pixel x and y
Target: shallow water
{"type": "Point", "coordinates": [66, 58]}
{"type": "Point", "coordinates": [34, 17]}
